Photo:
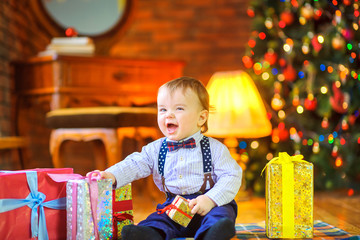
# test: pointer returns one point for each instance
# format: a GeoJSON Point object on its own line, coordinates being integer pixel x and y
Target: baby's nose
{"type": "Point", "coordinates": [169, 114]}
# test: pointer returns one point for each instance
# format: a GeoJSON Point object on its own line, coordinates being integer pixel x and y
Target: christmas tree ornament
{"type": "Point", "coordinates": [262, 35]}
{"type": "Point", "coordinates": [275, 135]}
{"type": "Point", "coordinates": [305, 48]}
{"type": "Point", "coordinates": [337, 42]}
{"type": "Point", "coordinates": [316, 44]}
{"type": "Point", "coordinates": [250, 12]}
{"type": "Point", "coordinates": [339, 161]}
{"type": "Point", "coordinates": [290, 73]}
{"type": "Point", "coordinates": [296, 101]}
{"type": "Point", "coordinates": [310, 102]}
{"type": "Point", "coordinates": [288, 46]}
{"type": "Point", "coordinates": [325, 123]}
{"type": "Point", "coordinates": [344, 125]}
{"type": "Point", "coordinates": [280, 134]}
{"type": "Point", "coordinates": [282, 62]}
{"type": "Point", "coordinates": [277, 103]}
{"type": "Point", "coordinates": [323, 89]}
{"type": "Point", "coordinates": [287, 17]}
{"type": "Point", "coordinates": [269, 23]}
{"type": "Point", "coordinates": [247, 61]}
{"type": "Point", "coordinates": [338, 99]}
{"type": "Point", "coordinates": [281, 114]}
{"type": "Point", "coordinates": [270, 56]}
{"type": "Point", "coordinates": [347, 2]}
{"type": "Point", "coordinates": [307, 11]}
{"type": "Point", "coordinates": [316, 147]}
{"type": "Point", "coordinates": [337, 17]}
{"type": "Point", "coordinates": [317, 14]}
{"type": "Point", "coordinates": [302, 21]}
{"type": "Point", "coordinates": [347, 33]}
{"type": "Point", "coordinates": [353, 117]}
{"type": "Point", "coordinates": [335, 151]}
{"type": "Point", "coordinates": [299, 109]}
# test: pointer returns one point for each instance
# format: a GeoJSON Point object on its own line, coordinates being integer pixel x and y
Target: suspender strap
{"type": "Point", "coordinates": [161, 164]}
{"type": "Point", "coordinates": [207, 178]}
{"type": "Point", "coordinates": [206, 154]}
{"type": "Point", "coordinates": [162, 157]}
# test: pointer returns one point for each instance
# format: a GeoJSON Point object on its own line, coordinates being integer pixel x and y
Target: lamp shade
{"type": "Point", "coordinates": [238, 108]}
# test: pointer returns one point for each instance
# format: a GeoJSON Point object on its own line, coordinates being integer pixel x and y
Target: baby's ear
{"type": "Point", "coordinates": [204, 114]}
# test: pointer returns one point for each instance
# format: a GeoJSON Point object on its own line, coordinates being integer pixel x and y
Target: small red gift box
{"type": "Point", "coordinates": [32, 204]}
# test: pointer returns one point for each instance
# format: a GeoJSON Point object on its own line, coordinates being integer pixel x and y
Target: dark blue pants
{"type": "Point", "coordinates": [198, 225]}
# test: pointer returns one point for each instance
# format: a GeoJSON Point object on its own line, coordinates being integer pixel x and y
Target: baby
{"type": "Point", "coordinates": [186, 163]}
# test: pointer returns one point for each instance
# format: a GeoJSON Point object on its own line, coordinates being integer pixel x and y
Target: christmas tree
{"type": "Point", "coordinates": [305, 58]}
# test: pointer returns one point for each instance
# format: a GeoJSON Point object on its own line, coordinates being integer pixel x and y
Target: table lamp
{"type": "Point", "coordinates": [237, 111]}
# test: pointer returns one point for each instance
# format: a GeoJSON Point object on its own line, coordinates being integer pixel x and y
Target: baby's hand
{"type": "Point", "coordinates": [103, 175]}
{"type": "Point", "coordinates": [201, 205]}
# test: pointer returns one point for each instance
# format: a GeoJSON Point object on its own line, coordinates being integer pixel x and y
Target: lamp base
{"type": "Point", "coordinates": [232, 143]}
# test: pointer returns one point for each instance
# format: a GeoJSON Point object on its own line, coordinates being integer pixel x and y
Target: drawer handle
{"type": "Point", "coordinates": [119, 75]}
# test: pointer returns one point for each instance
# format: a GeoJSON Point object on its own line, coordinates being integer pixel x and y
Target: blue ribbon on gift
{"type": "Point", "coordinates": [35, 200]}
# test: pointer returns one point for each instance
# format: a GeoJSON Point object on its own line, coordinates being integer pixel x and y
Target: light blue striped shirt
{"type": "Point", "coordinates": [183, 170]}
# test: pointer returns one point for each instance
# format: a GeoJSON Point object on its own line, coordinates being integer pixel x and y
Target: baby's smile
{"type": "Point", "coordinates": [171, 127]}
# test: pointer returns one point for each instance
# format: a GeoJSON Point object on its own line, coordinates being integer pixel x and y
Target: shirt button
{"type": "Point", "coordinates": [183, 193]}
{"type": "Point", "coordinates": [181, 158]}
{"type": "Point", "coordinates": [180, 176]}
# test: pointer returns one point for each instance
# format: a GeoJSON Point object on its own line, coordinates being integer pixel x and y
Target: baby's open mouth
{"type": "Point", "coordinates": [171, 128]}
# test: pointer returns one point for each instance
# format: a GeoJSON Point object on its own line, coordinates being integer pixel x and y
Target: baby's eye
{"type": "Point", "coordinates": [180, 108]}
{"type": "Point", "coordinates": [162, 110]}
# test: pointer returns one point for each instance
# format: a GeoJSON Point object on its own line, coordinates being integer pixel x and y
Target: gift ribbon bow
{"type": "Point", "coordinates": [287, 175]}
{"type": "Point", "coordinates": [172, 206]}
{"type": "Point", "coordinates": [190, 143]}
{"type": "Point", "coordinates": [35, 201]}
{"type": "Point", "coordinates": [284, 158]}
{"type": "Point", "coordinates": [119, 217]}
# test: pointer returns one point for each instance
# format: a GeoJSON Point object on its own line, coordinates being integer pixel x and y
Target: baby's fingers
{"type": "Point", "coordinates": [195, 209]}
{"type": "Point", "coordinates": [94, 173]}
{"type": "Point", "coordinates": [192, 203]}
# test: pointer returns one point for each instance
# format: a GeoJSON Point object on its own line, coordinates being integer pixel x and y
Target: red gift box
{"type": "Point", "coordinates": [32, 204]}
{"type": "Point", "coordinates": [122, 209]}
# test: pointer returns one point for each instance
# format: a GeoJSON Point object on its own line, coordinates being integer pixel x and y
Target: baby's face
{"type": "Point", "coordinates": [180, 115]}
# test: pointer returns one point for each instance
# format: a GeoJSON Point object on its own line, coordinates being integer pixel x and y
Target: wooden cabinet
{"type": "Point", "coordinates": [93, 81]}
{"type": "Point", "coordinates": [42, 84]}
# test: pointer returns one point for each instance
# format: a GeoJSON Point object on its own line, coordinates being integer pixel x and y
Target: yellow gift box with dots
{"type": "Point", "coordinates": [289, 197]}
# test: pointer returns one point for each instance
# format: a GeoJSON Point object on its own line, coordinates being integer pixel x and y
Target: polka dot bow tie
{"type": "Point", "coordinates": [190, 143]}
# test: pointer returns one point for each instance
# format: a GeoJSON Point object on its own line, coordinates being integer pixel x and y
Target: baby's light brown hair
{"type": "Point", "coordinates": [196, 86]}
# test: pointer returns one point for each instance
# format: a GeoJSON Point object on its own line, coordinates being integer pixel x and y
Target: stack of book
{"type": "Point", "coordinates": [69, 46]}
